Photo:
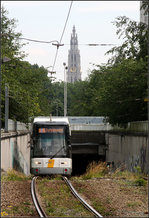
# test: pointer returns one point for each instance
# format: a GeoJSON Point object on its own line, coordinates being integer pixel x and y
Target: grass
{"type": "Point", "coordinates": [57, 195]}
{"type": "Point", "coordinates": [100, 169]}
{"type": "Point", "coordinates": [95, 170]}
{"type": "Point", "coordinates": [58, 199]}
{"type": "Point", "coordinates": [13, 175]}
{"type": "Point", "coordinates": [130, 178]}
{"type": "Point", "coordinates": [102, 209]}
{"type": "Point", "coordinates": [132, 204]}
{"type": "Point", "coordinates": [23, 208]}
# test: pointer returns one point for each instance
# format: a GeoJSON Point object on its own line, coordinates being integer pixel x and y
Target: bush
{"type": "Point", "coordinates": [96, 170]}
{"type": "Point", "coordinates": [140, 182]}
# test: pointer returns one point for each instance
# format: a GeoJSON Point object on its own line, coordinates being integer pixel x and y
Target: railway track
{"type": "Point", "coordinates": [74, 192]}
{"type": "Point", "coordinates": [35, 199]}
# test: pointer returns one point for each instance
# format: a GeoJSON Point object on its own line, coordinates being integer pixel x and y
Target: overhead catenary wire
{"type": "Point", "coordinates": [66, 21]}
{"type": "Point", "coordinates": [40, 41]}
{"type": "Point", "coordinates": [62, 35]}
{"type": "Point", "coordinates": [33, 40]}
{"type": "Point", "coordinates": [58, 42]}
{"type": "Point", "coordinates": [95, 44]}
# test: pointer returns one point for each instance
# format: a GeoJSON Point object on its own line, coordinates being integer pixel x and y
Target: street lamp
{"type": "Point", "coordinates": [65, 90]}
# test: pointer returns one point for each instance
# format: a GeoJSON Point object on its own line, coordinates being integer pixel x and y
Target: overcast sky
{"type": "Point", "coordinates": [44, 20]}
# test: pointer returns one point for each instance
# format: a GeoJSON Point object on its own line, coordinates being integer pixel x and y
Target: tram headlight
{"type": "Point", "coordinates": [37, 162]}
{"type": "Point", "coordinates": [65, 162]}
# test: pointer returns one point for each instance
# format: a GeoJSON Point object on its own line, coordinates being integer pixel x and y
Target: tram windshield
{"type": "Point", "coordinates": [50, 141]}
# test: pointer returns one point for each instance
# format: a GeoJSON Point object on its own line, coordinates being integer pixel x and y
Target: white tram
{"type": "Point", "coordinates": [51, 146]}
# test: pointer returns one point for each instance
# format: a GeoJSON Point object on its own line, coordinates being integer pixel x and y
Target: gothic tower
{"type": "Point", "coordinates": [73, 73]}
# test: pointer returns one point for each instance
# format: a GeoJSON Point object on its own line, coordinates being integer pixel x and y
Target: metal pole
{"type": "Point", "coordinates": [56, 109]}
{"type": "Point", "coordinates": [6, 107]}
{"type": "Point", "coordinates": [66, 90]}
{"type": "Point", "coordinates": [65, 93]}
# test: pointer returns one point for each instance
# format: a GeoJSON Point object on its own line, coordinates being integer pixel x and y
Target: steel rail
{"type": "Point", "coordinates": [35, 200]}
{"type": "Point", "coordinates": [91, 209]}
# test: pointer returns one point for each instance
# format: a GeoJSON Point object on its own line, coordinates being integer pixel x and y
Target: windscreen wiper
{"type": "Point", "coordinates": [57, 152]}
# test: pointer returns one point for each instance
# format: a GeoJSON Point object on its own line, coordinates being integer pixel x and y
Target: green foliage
{"type": "Point", "coordinates": [86, 176]}
{"type": "Point", "coordinates": [13, 175]}
{"type": "Point", "coordinates": [140, 182]}
{"type": "Point", "coordinates": [79, 99]}
{"type": "Point", "coordinates": [145, 6]}
{"type": "Point", "coordinates": [132, 204]}
{"type": "Point", "coordinates": [135, 44]}
{"type": "Point", "coordinates": [121, 92]}
{"type": "Point", "coordinates": [95, 170]}
{"type": "Point", "coordinates": [10, 39]}
{"type": "Point", "coordinates": [102, 209]}
{"type": "Point", "coordinates": [28, 91]}
{"type": "Point", "coordinates": [56, 97]}
{"type": "Point", "coordinates": [29, 85]}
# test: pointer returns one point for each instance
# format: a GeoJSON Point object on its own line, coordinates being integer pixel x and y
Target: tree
{"type": "Point", "coordinates": [56, 97]}
{"type": "Point", "coordinates": [29, 85]}
{"type": "Point", "coordinates": [79, 99]}
{"type": "Point", "coordinates": [11, 46]}
{"type": "Point", "coordinates": [28, 91]}
{"type": "Point", "coordinates": [121, 85]}
{"type": "Point", "coordinates": [136, 41]}
{"type": "Point", "coordinates": [120, 96]}
{"type": "Point", "coordinates": [145, 6]}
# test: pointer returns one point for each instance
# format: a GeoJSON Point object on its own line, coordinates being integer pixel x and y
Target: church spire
{"type": "Point", "coordinates": [74, 73]}
{"type": "Point", "coordinates": [74, 39]}
{"type": "Point", "coordinates": [74, 31]}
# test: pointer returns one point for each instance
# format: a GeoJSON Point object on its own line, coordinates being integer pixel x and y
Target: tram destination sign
{"type": "Point", "coordinates": [50, 130]}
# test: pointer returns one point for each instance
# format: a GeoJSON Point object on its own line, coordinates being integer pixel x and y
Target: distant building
{"type": "Point", "coordinates": [143, 16]}
{"type": "Point", "coordinates": [73, 73]}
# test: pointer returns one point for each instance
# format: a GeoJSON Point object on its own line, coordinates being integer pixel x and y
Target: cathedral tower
{"type": "Point", "coordinates": [73, 73]}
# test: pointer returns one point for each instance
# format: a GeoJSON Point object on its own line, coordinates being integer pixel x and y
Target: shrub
{"type": "Point", "coordinates": [140, 182]}
{"type": "Point", "coordinates": [96, 170]}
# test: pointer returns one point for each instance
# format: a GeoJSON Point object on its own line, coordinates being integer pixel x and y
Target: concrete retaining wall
{"type": "Point", "coordinates": [90, 127]}
{"type": "Point", "coordinates": [17, 126]}
{"type": "Point", "coordinates": [128, 150]}
{"type": "Point", "coordinates": [15, 151]}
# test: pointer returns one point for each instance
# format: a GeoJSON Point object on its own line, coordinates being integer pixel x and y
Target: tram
{"type": "Point", "coordinates": [51, 146]}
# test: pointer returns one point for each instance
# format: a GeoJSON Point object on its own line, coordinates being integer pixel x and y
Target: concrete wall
{"type": "Point", "coordinates": [130, 150]}
{"type": "Point", "coordinates": [17, 126]}
{"type": "Point", "coordinates": [15, 151]}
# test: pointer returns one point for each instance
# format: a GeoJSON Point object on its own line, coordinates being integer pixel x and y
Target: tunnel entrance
{"type": "Point", "coordinates": [81, 161]}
